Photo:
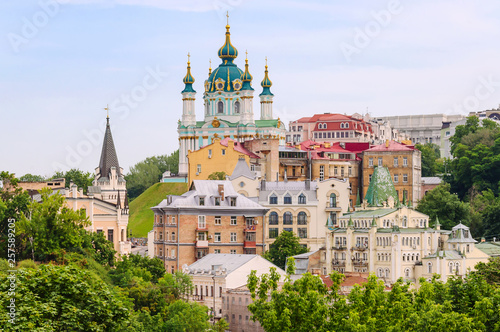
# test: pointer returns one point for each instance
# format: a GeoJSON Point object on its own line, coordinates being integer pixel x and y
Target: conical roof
{"type": "Point", "coordinates": [381, 187]}
{"type": "Point", "coordinates": [108, 154]}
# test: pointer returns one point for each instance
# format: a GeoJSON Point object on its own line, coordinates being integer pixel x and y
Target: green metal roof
{"type": "Point", "coordinates": [381, 187]}
{"type": "Point", "coordinates": [490, 248]}
{"type": "Point", "coordinates": [369, 213]}
{"type": "Point", "coordinates": [448, 254]}
{"type": "Point", "coordinates": [266, 123]}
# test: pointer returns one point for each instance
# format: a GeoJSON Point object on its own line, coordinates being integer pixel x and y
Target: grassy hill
{"type": "Point", "coordinates": [141, 216]}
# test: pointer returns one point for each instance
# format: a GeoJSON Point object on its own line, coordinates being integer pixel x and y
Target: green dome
{"type": "Point", "coordinates": [188, 80]}
{"type": "Point", "coordinates": [226, 74]}
{"type": "Point", "coordinates": [266, 84]}
{"type": "Point", "coordinates": [246, 78]}
{"type": "Point", "coordinates": [228, 52]}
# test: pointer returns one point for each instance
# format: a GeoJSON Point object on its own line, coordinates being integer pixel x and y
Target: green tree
{"type": "Point", "coordinates": [130, 266]}
{"type": "Point", "coordinates": [102, 250]}
{"type": "Point", "coordinates": [439, 202]}
{"type": "Point", "coordinates": [49, 225]}
{"type": "Point", "coordinates": [430, 154]}
{"type": "Point", "coordinates": [489, 271]}
{"type": "Point", "coordinates": [62, 298]}
{"type": "Point", "coordinates": [79, 178]}
{"type": "Point", "coordinates": [31, 178]}
{"type": "Point", "coordinates": [285, 245]}
{"type": "Point", "coordinates": [217, 176]}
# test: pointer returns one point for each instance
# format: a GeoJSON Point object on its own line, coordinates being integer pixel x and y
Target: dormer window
{"type": "Point", "coordinates": [217, 201]}
{"type": "Point", "coordinates": [273, 199]}
{"type": "Point", "coordinates": [288, 199]}
{"type": "Point", "coordinates": [233, 201]}
{"type": "Point", "coordinates": [202, 201]}
{"type": "Point", "coordinates": [302, 199]}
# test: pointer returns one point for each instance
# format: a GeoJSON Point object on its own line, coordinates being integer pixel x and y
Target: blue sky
{"type": "Point", "coordinates": [387, 57]}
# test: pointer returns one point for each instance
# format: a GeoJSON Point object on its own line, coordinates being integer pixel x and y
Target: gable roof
{"type": "Point", "coordinates": [242, 169]}
{"type": "Point", "coordinates": [230, 262]}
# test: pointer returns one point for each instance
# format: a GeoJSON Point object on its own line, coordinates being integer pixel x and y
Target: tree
{"type": "Point", "coordinates": [103, 251]}
{"type": "Point", "coordinates": [61, 298]}
{"type": "Point", "coordinates": [285, 245]}
{"type": "Point", "coordinates": [49, 225]}
{"type": "Point", "coordinates": [130, 266]}
{"type": "Point", "coordinates": [31, 178]}
{"type": "Point", "coordinates": [489, 271]}
{"type": "Point", "coordinates": [80, 178]}
{"type": "Point", "coordinates": [430, 154]}
{"type": "Point", "coordinates": [149, 171]}
{"type": "Point", "coordinates": [440, 203]}
{"type": "Point", "coordinates": [217, 176]}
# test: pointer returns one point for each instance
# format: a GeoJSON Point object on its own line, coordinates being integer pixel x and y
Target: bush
{"type": "Point", "coordinates": [27, 264]}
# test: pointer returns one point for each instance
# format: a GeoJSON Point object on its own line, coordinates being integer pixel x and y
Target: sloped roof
{"type": "Point", "coordinates": [490, 248]}
{"type": "Point", "coordinates": [369, 213]}
{"type": "Point", "coordinates": [239, 148]}
{"type": "Point", "coordinates": [108, 154]}
{"type": "Point", "coordinates": [381, 187]}
{"type": "Point", "coordinates": [242, 169]}
{"type": "Point", "coordinates": [431, 180]}
{"type": "Point", "coordinates": [230, 262]}
{"type": "Point", "coordinates": [448, 254]}
{"type": "Point", "coordinates": [392, 146]}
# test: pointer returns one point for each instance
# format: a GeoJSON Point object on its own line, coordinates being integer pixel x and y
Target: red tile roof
{"type": "Point", "coordinates": [239, 148]}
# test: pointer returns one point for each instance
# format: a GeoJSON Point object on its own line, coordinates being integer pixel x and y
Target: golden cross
{"type": "Point", "coordinates": [266, 60]}
{"type": "Point", "coordinates": [210, 61]}
{"type": "Point", "coordinates": [246, 53]}
{"type": "Point", "coordinates": [227, 15]}
{"type": "Point", "coordinates": [189, 56]}
{"type": "Point", "coordinates": [107, 110]}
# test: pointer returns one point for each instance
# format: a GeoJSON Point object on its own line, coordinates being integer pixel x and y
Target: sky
{"type": "Point", "coordinates": [63, 61]}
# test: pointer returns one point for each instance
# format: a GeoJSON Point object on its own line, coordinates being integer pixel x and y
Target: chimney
{"type": "Point", "coordinates": [263, 185]}
{"type": "Point", "coordinates": [221, 192]}
{"type": "Point", "coordinates": [386, 143]}
{"type": "Point", "coordinates": [483, 239]}
{"type": "Point", "coordinates": [308, 184]}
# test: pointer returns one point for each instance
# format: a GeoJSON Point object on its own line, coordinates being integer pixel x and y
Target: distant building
{"type": "Point", "coordinates": [491, 248]}
{"type": "Point", "coordinates": [429, 183]}
{"type": "Point", "coordinates": [210, 218]}
{"type": "Point", "coordinates": [219, 282]}
{"type": "Point", "coordinates": [168, 177]}
{"type": "Point", "coordinates": [404, 165]}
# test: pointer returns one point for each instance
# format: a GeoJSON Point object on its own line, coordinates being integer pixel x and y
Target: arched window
{"type": "Point", "coordinates": [457, 267]}
{"type": "Point", "coordinates": [346, 125]}
{"type": "Point", "coordinates": [237, 107]}
{"type": "Point", "coordinates": [220, 107]}
{"type": "Point", "coordinates": [429, 267]}
{"type": "Point", "coordinates": [287, 218]}
{"type": "Point", "coordinates": [387, 272]}
{"type": "Point", "coordinates": [207, 107]}
{"type": "Point", "coordinates": [404, 257]}
{"type": "Point", "coordinates": [273, 218]}
{"type": "Point", "coordinates": [450, 265]}
{"type": "Point", "coordinates": [333, 200]}
{"type": "Point", "coordinates": [405, 222]}
{"type": "Point", "coordinates": [173, 236]}
{"type": "Point", "coordinates": [380, 272]}
{"type": "Point", "coordinates": [416, 257]}
{"type": "Point", "coordinates": [407, 273]}
{"type": "Point", "coordinates": [302, 199]}
{"type": "Point", "coordinates": [302, 218]}
{"type": "Point", "coordinates": [341, 125]}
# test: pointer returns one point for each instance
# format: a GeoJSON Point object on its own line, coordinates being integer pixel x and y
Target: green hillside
{"type": "Point", "coordinates": [141, 215]}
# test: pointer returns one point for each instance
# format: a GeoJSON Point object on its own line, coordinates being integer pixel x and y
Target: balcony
{"type": "Point", "coordinates": [339, 247]}
{"type": "Point", "coordinates": [250, 229]}
{"type": "Point", "coordinates": [201, 244]}
{"type": "Point", "coordinates": [333, 207]}
{"type": "Point", "coordinates": [336, 262]}
{"type": "Point", "coordinates": [170, 225]}
{"type": "Point", "coordinates": [249, 244]}
{"type": "Point", "coordinates": [360, 247]}
{"type": "Point", "coordinates": [360, 263]}
{"type": "Point", "coordinates": [202, 229]}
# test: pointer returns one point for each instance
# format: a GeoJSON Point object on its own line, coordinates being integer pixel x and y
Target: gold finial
{"type": "Point", "coordinates": [210, 67]}
{"type": "Point", "coordinates": [227, 16]}
{"type": "Point", "coordinates": [189, 57]}
{"type": "Point", "coordinates": [266, 61]}
{"type": "Point", "coordinates": [107, 111]}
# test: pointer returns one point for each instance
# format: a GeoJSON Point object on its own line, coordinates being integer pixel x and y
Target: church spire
{"type": "Point", "coordinates": [188, 79]}
{"type": "Point", "coordinates": [266, 83]}
{"type": "Point", "coordinates": [108, 154]}
{"type": "Point", "coordinates": [246, 77]}
{"type": "Point", "coordinates": [228, 52]}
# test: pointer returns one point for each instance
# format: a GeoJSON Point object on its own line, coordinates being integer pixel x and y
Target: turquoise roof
{"type": "Point", "coordinates": [369, 213]}
{"type": "Point", "coordinates": [228, 52]}
{"type": "Point", "coordinates": [188, 80]}
{"type": "Point", "coordinates": [266, 84]}
{"type": "Point", "coordinates": [266, 123]}
{"type": "Point", "coordinates": [381, 187]}
{"type": "Point", "coordinates": [246, 78]}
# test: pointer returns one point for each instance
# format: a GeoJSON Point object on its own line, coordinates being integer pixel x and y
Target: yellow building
{"type": "Point", "coordinates": [220, 156]}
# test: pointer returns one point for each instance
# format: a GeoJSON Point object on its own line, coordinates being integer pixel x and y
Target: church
{"type": "Point", "coordinates": [228, 107]}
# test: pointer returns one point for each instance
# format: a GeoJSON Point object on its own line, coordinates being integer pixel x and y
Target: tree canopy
{"type": "Point", "coordinates": [430, 154]}
{"type": "Point", "coordinates": [285, 245]}
{"type": "Point", "coordinates": [78, 177]}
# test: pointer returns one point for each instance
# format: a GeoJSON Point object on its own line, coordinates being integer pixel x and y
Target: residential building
{"type": "Point", "coordinates": [404, 165]}
{"type": "Point", "coordinates": [228, 107]}
{"type": "Point", "coordinates": [210, 218]}
{"type": "Point", "coordinates": [394, 241]}
{"type": "Point", "coordinates": [220, 156]}
{"type": "Point", "coordinates": [219, 282]}
{"type": "Point", "coordinates": [429, 183]}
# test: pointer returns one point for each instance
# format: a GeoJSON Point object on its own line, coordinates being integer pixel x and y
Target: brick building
{"type": "Point", "coordinates": [210, 218]}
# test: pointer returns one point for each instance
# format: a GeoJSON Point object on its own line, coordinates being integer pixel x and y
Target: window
{"type": "Point", "coordinates": [233, 252]}
{"type": "Point", "coordinates": [217, 220]}
{"type": "Point", "coordinates": [217, 201]}
{"type": "Point", "coordinates": [302, 233]}
{"type": "Point", "coordinates": [287, 218]}
{"type": "Point", "coordinates": [350, 171]}
{"type": "Point", "coordinates": [273, 218]}
{"type": "Point", "coordinates": [333, 200]}
{"type": "Point", "coordinates": [233, 237]}
{"type": "Point", "coordinates": [233, 220]}
{"type": "Point", "coordinates": [110, 235]}
{"type": "Point", "coordinates": [173, 236]}
{"type": "Point", "coordinates": [217, 237]}
{"type": "Point", "coordinates": [209, 153]}
{"type": "Point", "coordinates": [201, 222]}
{"type": "Point", "coordinates": [405, 177]}
{"type": "Point", "coordinates": [335, 170]}
{"type": "Point", "coordinates": [288, 230]}
{"type": "Point", "coordinates": [273, 199]}
{"type": "Point", "coordinates": [302, 218]}
{"type": "Point", "coordinates": [321, 172]}
{"type": "Point", "coordinates": [273, 233]}
{"type": "Point", "coordinates": [396, 178]}
{"type": "Point", "coordinates": [370, 162]}
{"type": "Point", "coordinates": [198, 168]}
{"type": "Point", "coordinates": [223, 152]}
{"type": "Point", "coordinates": [429, 267]}
{"type": "Point", "coordinates": [380, 161]}
{"type": "Point", "coordinates": [288, 199]}
{"type": "Point", "coordinates": [302, 199]}
{"type": "Point", "coordinates": [233, 201]}
{"type": "Point", "coordinates": [202, 201]}
{"type": "Point", "coordinates": [395, 161]}
{"type": "Point", "coordinates": [405, 161]}
{"type": "Point", "coordinates": [201, 236]}
{"type": "Point", "coordinates": [216, 251]}
{"type": "Point", "coordinates": [237, 107]}
{"type": "Point", "coordinates": [370, 178]}
{"type": "Point", "coordinates": [220, 107]}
